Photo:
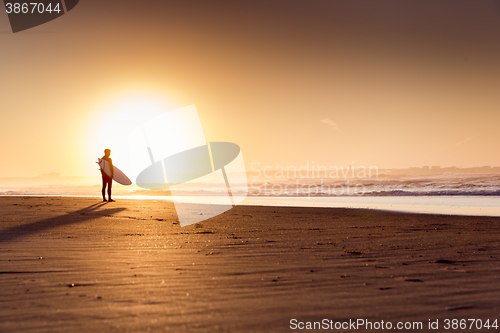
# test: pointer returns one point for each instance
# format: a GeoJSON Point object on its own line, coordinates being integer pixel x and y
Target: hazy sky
{"type": "Point", "coordinates": [388, 83]}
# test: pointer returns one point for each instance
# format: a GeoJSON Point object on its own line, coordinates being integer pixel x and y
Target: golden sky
{"type": "Point", "coordinates": [385, 83]}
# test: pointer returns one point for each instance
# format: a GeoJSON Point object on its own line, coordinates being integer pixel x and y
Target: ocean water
{"type": "Point", "coordinates": [438, 185]}
{"type": "Point", "coordinates": [472, 194]}
{"type": "Point", "coordinates": [448, 205]}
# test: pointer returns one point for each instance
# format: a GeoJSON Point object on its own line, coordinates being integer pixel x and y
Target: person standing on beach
{"type": "Point", "coordinates": [107, 180]}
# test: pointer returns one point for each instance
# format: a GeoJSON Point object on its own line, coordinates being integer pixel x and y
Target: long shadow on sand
{"type": "Point", "coordinates": [83, 215]}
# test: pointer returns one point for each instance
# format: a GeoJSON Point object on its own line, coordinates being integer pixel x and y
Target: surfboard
{"type": "Point", "coordinates": [118, 175]}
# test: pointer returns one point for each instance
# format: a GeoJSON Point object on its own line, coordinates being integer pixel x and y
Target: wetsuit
{"type": "Point", "coordinates": [107, 181]}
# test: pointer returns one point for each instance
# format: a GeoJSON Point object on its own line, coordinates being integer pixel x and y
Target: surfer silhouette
{"type": "Point", "coordinates": [107, 181]}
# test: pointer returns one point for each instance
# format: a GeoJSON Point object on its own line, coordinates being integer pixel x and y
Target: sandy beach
{"type": "Point", "coordinates": [79, 265]}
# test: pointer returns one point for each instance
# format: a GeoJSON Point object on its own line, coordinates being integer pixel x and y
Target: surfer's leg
{"type": "Point", "coordinates": [104, 182]}
{"type": "Point", "coordinates": [110, 182]}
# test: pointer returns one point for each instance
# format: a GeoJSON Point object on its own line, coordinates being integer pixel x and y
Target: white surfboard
{"type": "Point", "coordinates": [118, 175]}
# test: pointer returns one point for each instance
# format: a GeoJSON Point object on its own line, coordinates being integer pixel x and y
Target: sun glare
{"type": "Point", "coordinates": [114, 122]}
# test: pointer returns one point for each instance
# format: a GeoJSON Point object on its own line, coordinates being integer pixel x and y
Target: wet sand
{"type": "Point", "coordinates": [78, 265]}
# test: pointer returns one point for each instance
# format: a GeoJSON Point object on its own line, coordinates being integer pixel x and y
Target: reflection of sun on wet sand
{"type": "Point", "coordinates": [69, 264]}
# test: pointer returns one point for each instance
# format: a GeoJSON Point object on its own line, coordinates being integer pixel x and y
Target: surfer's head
{"type": "Point", "coordinates": [107, 152]}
